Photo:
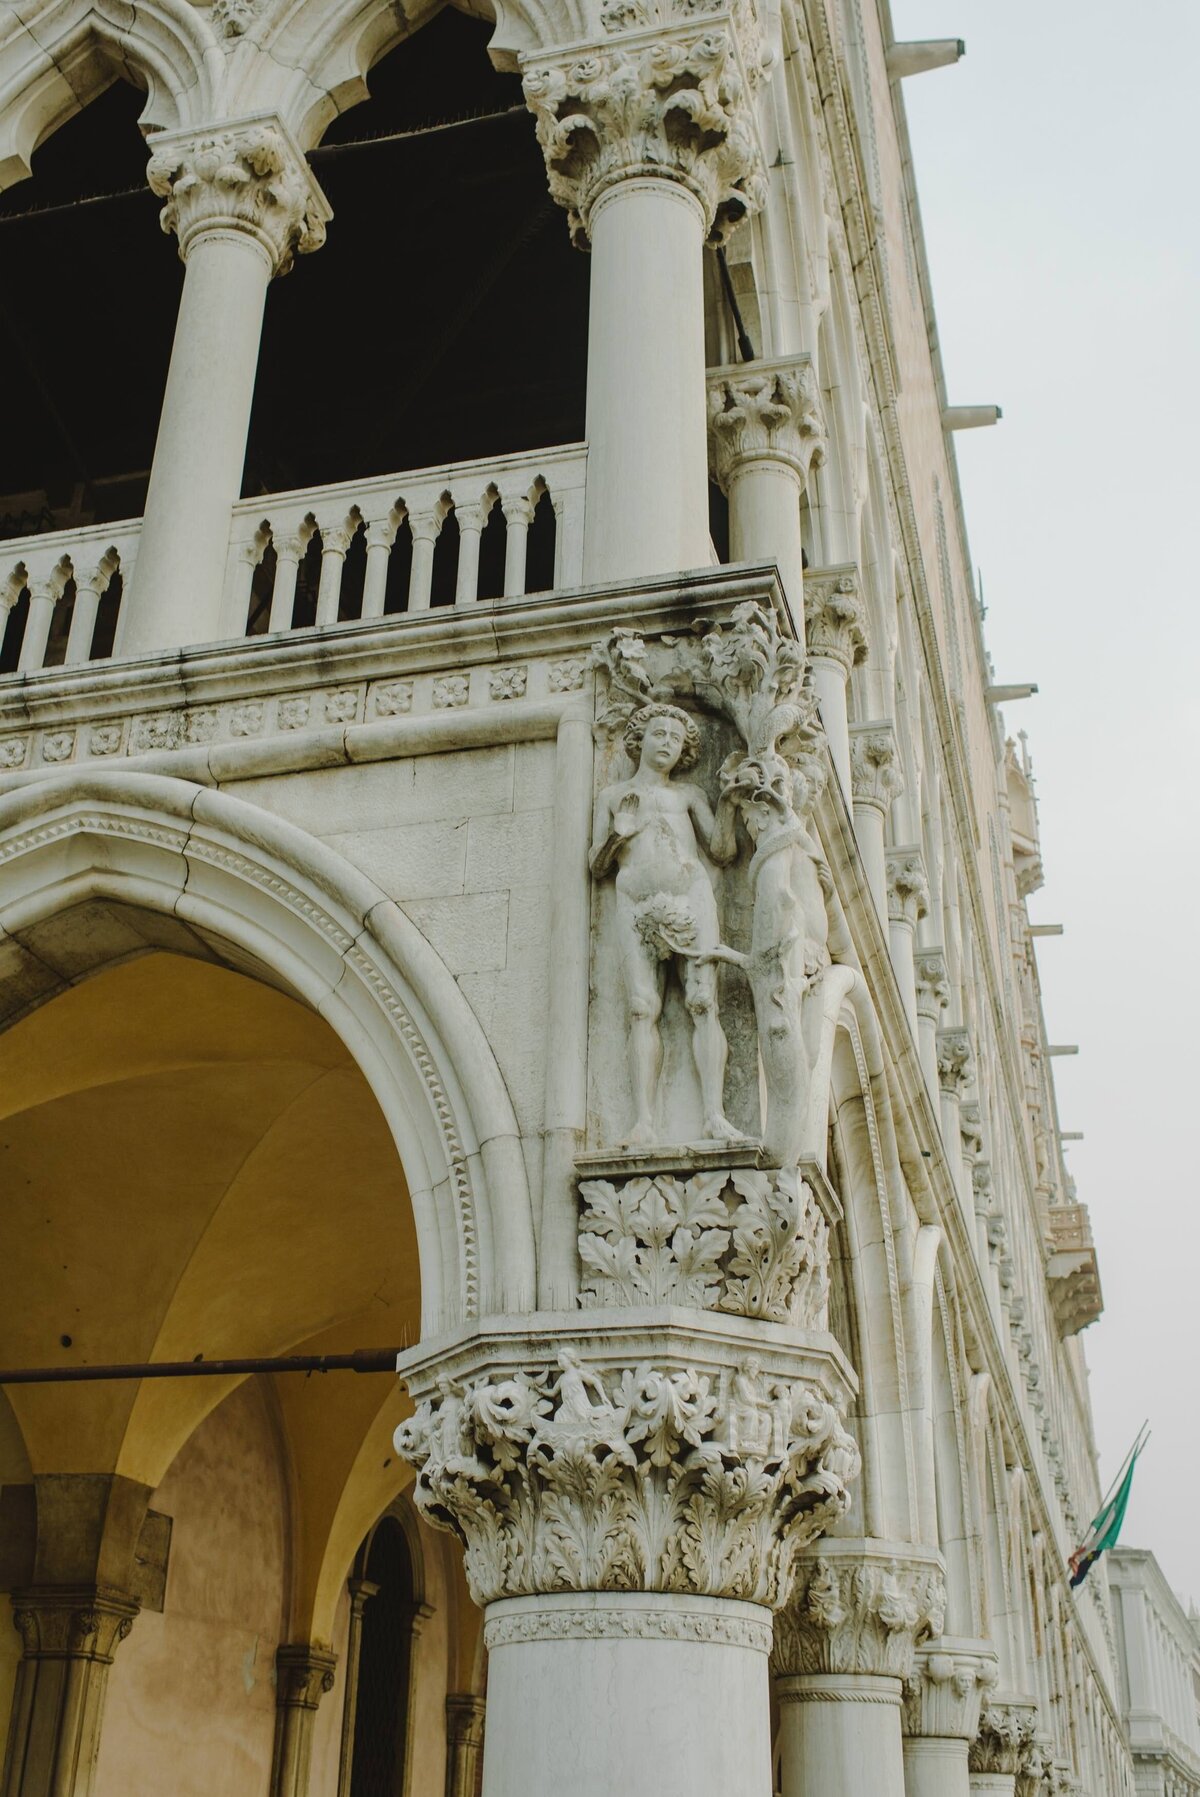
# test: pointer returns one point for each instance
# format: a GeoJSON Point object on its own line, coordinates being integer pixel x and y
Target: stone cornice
{"type": "Point", "coordinates": [248, 177]}
{"type": "Point", "coordinates": [670, 102]}
{"type": "Point", "coordinates": [765, 412]}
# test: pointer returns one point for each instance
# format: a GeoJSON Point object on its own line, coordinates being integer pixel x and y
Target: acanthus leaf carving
{"type": "Point", "coordinates": [876, 778]}
{"type": "Point", "coordinates": [248, 177]}
{"type": "Point", "coordinates": [584, 1474]}
{"type": "Point", "coordinates": [672, 105]}
{"type": "Point", "coordinates": [765, 409]}
{"type": "Point", "coordinates": [859, 1607]}
{"type": "Point", "coordinates": [748, 1242]}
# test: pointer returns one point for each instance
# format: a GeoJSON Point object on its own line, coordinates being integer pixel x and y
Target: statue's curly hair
{"type": "Point", "coordinates": [635, 730]}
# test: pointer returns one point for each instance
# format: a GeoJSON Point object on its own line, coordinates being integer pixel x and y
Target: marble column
{"type": "Point", "coordinates": [835, 619]}
{"type": "Point", "coordinates": [956, 1071]}
{"type": "Point", "coordinates": [669, 159]}
{"type": "Point", "coordinates": [876, 781]}
{"type": "Point", "coordinates": [907, 902]}
{"type": "Point", "coordinates": [70, 1635]}
{"type": "Point", "coordinates": [242, 202]}
{"type": "Point", "coordinates": [303, 1675]}
{"type": "Point", "coordinates": [1004, 1747]}
{"type": "Point", "coordinates": [942, 1702]}
{"type": "Point", "coordinates": [765, 432]}
{"type": "Point", "coordinates": [361, 1591]}
{"type": "Point", "coordinates": [630, 1496]}
{"type": "Point", "coordinates": [465, 1719]}
{"type": "Point", "coordinates": [933, 999]}
{"type": "Point", "coordinates": [844, 1648]}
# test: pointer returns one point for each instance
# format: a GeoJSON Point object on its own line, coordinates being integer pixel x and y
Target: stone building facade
{"type": "Point", "coordinates": [557, 912]}
{"type": "Point", "coordinates": [1158, 1646]}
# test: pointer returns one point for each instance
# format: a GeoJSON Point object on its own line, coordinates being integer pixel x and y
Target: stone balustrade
{"type": "Point", "coordinates": [317, 556]}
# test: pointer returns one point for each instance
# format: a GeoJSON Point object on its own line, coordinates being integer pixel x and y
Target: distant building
{"type": "Point", "coordinates": [1158, 1646]}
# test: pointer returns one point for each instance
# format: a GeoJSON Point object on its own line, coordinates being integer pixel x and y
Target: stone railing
{"type": "Point", "coordinates": [318, 556]}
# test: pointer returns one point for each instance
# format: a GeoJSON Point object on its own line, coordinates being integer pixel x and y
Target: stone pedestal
{"type": "Point", "coordinates": [942, 1701]}
{"type": "Point", "coordinates": [765, 433]}
{"type": "Point", "coordinates": [70, 1635]}
{"type": "Point", "coordinates": [303, 1675]}
{"type": "Point", "coordinates": [844, 1647]}
{"type": "Point", "coordinates": [242, 201]}
{"type": "Point", "coordinates": [631, 1492]}
{"type": "Point", "coordinates": [640, 1693]}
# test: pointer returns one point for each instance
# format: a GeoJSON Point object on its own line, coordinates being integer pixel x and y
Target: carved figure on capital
{"type": "Point", "coordinates": [649, 831]}
{"type": "Point", "coordinates": [865, 1610]}
{"type": "Point", "coordinates": [752, 676]}
{"type": "Point", "coordinates": [588, 1474]}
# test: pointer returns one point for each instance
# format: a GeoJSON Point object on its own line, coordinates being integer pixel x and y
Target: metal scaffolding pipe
{"type": "Point", "coordinates": [363, 1360]}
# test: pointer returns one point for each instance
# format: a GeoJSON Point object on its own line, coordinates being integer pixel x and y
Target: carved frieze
{"type": "Point", "coordinates": [573, 1467]}
{"type": "Point", "coordinates": [247, 177]}
{"type": "Point", "coordinates": [859, 1607]}
{"type": "Point", "coordinates": [749, 1242]}
{"type": "Point", "coordinates": [674, 103]}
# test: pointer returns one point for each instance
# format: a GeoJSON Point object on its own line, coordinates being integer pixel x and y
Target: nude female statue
{"type": "Point", "coordinates": [651, 829]}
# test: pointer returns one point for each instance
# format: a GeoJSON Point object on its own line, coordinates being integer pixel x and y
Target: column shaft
{"type": "Point", "coordinates": [647, 479]}
{"type": "Point", "coordinates": [70, 1638]}
{"type": "Point", "coordinates": [764, 523]}
{"type": "Point", "coordinates": [840, 1736]}
{"type": "Point", "coordinates": [637, 1693]}
{"type": "Point", "coordinates": [935, 1766]}
{"type": "Point", "coordinates": [829, 679]}
{"type": "Point", "coordinates": [196, 474]}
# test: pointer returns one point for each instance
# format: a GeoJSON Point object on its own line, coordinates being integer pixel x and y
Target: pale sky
{"type": "Point", "coordinates": [1057, 171]}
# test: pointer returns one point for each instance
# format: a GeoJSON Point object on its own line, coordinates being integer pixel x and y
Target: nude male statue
{"type": "Point", "coordinates": [650, 829]}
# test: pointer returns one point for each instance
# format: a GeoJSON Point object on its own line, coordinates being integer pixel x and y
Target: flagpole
{"type": "Point", "coordinates": [1140, 1442]}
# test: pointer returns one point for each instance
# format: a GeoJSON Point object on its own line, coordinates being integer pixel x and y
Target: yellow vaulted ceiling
{"type": "Point", "coordinates": [190, 1163]}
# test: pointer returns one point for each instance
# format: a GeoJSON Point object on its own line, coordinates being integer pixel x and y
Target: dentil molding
{"type": "Point", "coordinates": [634, 1457]}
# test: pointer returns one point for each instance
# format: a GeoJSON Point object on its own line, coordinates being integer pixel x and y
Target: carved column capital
{"type": "Point", "coordinates": [1005, 1741]}
{"type": "Point", "coordinates": [876, 777]}
{"type": "Point", "coordinates": [303, 1675]}
{"type": "Point", "coordinates": [631, 1456]}
{"type": "Point", "coordinates": [73, 1622]}
{"type": "Point", "coordinates": [249, 178]}
{"type": "Point", "coordinates": [933, 983]}
{"type": "Point", "coordinates": [673, 103]}
{"type": "Point", "coordinates": [835, 617]}
{"type": "Point", "coordinates": [955, 1061]}
{"type": "Point", "coordinates": [859, 1607]}
{"type": "Point", "coordinates": [765, 412]}
{"type": "Point", "coordinates": [945, 1692]}
{"type": "Point", "coordinates": [907, 886]}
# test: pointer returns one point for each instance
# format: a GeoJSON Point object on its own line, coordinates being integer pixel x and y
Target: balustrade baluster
{"type": "Point", "coordinates": [89, 589]}
{"type": "Point", "coordinates": [44, 595]}
{"type": "Point", "coordinates": [425, 527]}
{"type": "Point", "coordinates": [518, 516]}
{"type": "Point", "coordinates": [470, 525]}
{"type": "Point", "coordinates": [380, 537]}
{"type": "Point", "coordinates": [289, 553]}
{"type": "Point", "coordinates": [334, 544]}
{"type": "Point", "coordinates": [246, 560]}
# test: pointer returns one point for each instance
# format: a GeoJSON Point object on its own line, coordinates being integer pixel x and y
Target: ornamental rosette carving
{"type": "Point", "coordinates": [861, 1607]}
{"type": "Point", "coordinates": [835, 617]}
{"type": "Point", "coordinates": [944, 1693]}
{"type": "Point", "coordinates": [73, 1622]}
{"type": "Point", "coordinates": [955, 1061]}
{"type": "Point", "coordinates": [248, 177]}
{"type": "Point", "coordinates": [751, 1243]}
{"type": "Point", "coordinates": [1005, 1743]}
{"type": "Point", "coordinates": [303, 1676]}
{"type": "Point", "coordinates": [676, 105]}
{"type": "Point", "coordinates": [876, 778]}
{"type": "Point", "coordinates": [907, 886]}
{"type": "Point", "coordinates": [575, 1471]}
{"type": "Point", "coordinates": [765, 411]}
